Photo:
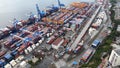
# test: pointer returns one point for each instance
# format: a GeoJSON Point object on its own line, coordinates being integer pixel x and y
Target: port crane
{"type": "Point", "coordinates": [52, 9]}
{"type": "Point", "coordinates": [60, 4]}
{"type": "Point", "coordinates": [31, 15]}
{"type": "Point", "coordinates": [41, 14]}
{"type": "Point", "coordinates": [15, 22]}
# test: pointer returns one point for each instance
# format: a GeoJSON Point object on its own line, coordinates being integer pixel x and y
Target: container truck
{"type": "Point", "coordinates": [95, 43]}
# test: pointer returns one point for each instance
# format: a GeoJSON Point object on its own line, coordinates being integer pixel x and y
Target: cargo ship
{"type": "Point", "coordinates": [25, 35]}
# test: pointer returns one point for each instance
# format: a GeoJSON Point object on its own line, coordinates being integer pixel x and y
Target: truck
{"type": "Point", "coordinates": [95, 43]}
{"type": "Point", "coordinates": [78, 49]}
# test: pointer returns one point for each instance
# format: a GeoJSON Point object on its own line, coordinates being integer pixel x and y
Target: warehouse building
{"type": "Point", "coordinates": [115, 58]}
{"type": "Point", "coordinates": [57, 43]}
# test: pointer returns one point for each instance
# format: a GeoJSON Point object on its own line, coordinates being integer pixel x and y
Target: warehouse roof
{"type": "Point", "coordinates": [57, 41]}
{"type": "Point", "coordinates": [117, 51]}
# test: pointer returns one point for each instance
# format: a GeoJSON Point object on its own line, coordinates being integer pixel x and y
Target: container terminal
{"type": "Point", "coordinates": [59, 33]}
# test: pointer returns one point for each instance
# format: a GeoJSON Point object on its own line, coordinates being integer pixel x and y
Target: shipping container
{"type": "Point", "coordinates": [1, 35]}
{"type": "Point", "coordinates": [48, 34]}
{"type": "Point", "coordinates": [24, 34]}
{"type": "Point", "coordinates": [6, 32]}
{"type": "Point", "coordinates": [78, 49]}
{"type": "Point", "coordinates": [2, 53]}
{"type": "Point", "coordinates": [86, 55]}
{"type": "Point", "coordinates": [33, 46]}
{"type": "Point", "coordinates": [21, 49]}
{"type": "Point", "coordinates": [37, 44]}
{"type": "Point", "coordinates": [64, 44]}
{"type": "Point", "coordinates": [97, 23]}
{"type": "Point", "coordinates": [8, 66]}
{"type": "Point", "coordinates": [23, 64]}
{"type": "Point", "coordinates": [18, 44]}
{"type": "Point", "coordinates": [12, 29]}
{"type": "Point", "coordinates": [50, 40]}
{"type": "Point", "coordinates": [40, 41]}
{"type": "Point", "coordinates": [13, 63]}
{"type": "Point", "coordinates": [11, 41]}
{"type": "Point", "coordinates": [29, 49]}
{"type": "Point", "coordinates": [1, 64]}
{"type": "Point", "coordinates": [12, 47]}
{"type": "Point", "coordinates": [21, 57]}
{"type": "Point", "coordinates": [68, 50]}
{"type": "Point", "coordinates": [26, 51]}
{"type": "Point", "coordinates": [8, 57]}
{"type": "Point", "coordinates": [15, 53]}
{"type": "Point", "coordinates": [36, 39]}
{"type": "Point", "coordinates": [17, 60]}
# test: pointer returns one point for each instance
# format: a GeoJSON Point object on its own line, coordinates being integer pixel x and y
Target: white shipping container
{"type": "Point", "coordinates": [26, 51]}
{"type": "Point", "coordinates": [7, 66]}
{"type": "Point", "coordinates": [37, 44]}
{"type": "Point", "coordinates": [53, 30]}
{"type": "Point", "coordinates": [17, 60]}
{"type": "Point", "coordinates": [13, 63]}
{"type": "Point", "coordinates": [33, 46]}
{"type": "Point", "coordinates": [21, 57]}
{"type": "Point", "coordinates": [98, 22]}
{"type": "Point", "coordinates": [40, 41]}
{"type": "Point", "coordinates": [48, 34]}
{"type": "Point", "coordinates": [51, 34]}
{"type": "Point", "coordinates": [29, 49]}
{"type": "Point", "coordinates": [23, 64]}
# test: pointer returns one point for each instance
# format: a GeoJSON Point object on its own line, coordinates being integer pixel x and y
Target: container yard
{"type": "Point", "coordinates": [58, 32]}
{"type": "Point", "coordinates": [86, 56]}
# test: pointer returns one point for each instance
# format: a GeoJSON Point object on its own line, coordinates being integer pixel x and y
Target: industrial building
{"type": "Point", "coordinates": [114, 58]}
{"type": "Point", "coordinates": [57, 43]}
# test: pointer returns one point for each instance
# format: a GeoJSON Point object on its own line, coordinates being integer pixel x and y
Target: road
{"type": "Point", "coordinates": [84, 30]}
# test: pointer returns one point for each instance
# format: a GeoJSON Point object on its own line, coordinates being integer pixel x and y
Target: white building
{"type": "Point", "coordinates": [118, 28]}
{"type": "Point", "coordinates": [117, 11]}
{"type": "Point", "coordinates": [57, 43]}
{"type": "Point", "coordinates": [115, 58]}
